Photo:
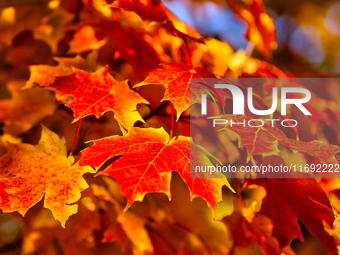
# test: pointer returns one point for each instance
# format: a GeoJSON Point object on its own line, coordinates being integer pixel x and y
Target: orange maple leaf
{"type": "Point", "coordinates": [138, 172]}
{"type": "Point", "coordinates": [180, 92]}
{"type": "Point", "coordinates": [97, 93]}
{"type": "Point", "coordinates": [85, 39]}
{"type": "Point", "coordinates": [28, 172]}
{"type": "Point", "coordinates": [45, 75]}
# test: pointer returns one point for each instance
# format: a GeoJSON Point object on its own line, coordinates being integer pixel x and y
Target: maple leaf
{"type": "Point", "coordinates": [296, 198]}
{"type": "Point", "coordinates": [180, 92]}
{"type": "Point", "coordinates": [45, 75]}
{"type": "Point", "coordinates": [264, 140]}
{"type": "Point", "coordinates": [28, 172]}
{"type": "Point", "coordinates": [85, 39]}
{"type": "Point", "coordinates": [138, 172]}
{"type": "Point", "coordinates": [97, 93]}
{"type": "Point", "coordinates": [131, 43]}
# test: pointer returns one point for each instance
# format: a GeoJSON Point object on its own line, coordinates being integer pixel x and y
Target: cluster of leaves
{"type": "Point", "coordinates": [115, 78]}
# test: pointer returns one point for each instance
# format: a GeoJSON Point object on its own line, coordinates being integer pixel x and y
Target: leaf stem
{"type": "Point", "coordinates": [75, 138]}
{"type": "Point", "coordinates": [172, 122]}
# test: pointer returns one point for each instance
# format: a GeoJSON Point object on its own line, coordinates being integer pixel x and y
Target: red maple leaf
{"type": "Point", "coordinates": [180, 91]}
{"type": "Point", "coordinates": [138, 172]}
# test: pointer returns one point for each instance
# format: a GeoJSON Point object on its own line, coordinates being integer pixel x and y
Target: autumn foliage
{"type": "Point", "coordinates": [100, 135]}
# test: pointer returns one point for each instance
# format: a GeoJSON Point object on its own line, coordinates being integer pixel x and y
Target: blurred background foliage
{"type": "Point", "coordinates": [308, 45]}
{"type": "Point", "coordinates": [308, 32]}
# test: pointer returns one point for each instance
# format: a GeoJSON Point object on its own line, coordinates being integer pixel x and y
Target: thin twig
{"type": "Point", "coordinates": [75, 138]}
